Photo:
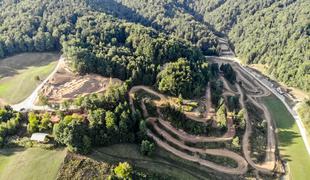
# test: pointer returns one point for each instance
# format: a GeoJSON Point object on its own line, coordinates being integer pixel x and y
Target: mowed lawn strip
{"type": "Point", "coordinates": [291, 145]}
{"type": "Point", "coordinates": [18, 81]}
{"type": "Point", "coordinates": [32, 163]}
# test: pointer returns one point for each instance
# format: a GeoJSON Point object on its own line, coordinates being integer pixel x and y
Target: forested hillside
{"type": "Point", "coordinates": [93, 41]}
{"type": "Point", "coordinates": [115, 32]}
{"type": "Point", "coordinates": [271, 32]}
{"type": "Point", "coordinates": [171, 16]}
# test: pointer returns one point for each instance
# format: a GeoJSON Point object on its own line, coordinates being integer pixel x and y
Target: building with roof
{"type": "Point", "coordinates": [39, 137]}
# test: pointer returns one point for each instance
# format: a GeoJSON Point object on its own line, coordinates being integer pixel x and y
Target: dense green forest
{"type": "Point", "coordinates": [170, 16]}
{"type": "Point", "coordinates": [91, 40]}
{"type": "Point", "coordinates": [96, 42]}
{"type": "Point", "coordinates": [136, 37]}
{"type": "Point", "coordinates": [183, 78]}
{"type": "Point", "coordinates": [275, 33]}
{"type": "Point", "coordinates": [271, 32]}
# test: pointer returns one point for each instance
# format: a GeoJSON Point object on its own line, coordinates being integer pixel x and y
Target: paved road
{"type": "Point", "coordinates": [29, 102]}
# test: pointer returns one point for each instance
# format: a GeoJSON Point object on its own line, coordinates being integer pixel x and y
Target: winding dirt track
{"type": "Point", "coordinates": [164, 98]}
{"type": "Point", "coordinates": [270, 160]}
{"type": "Point", "coordinates": [184, 137]}
{"type": "Point", "coordinates": [254, 90]}
{"type": "Point", "coordinates": [227, 136]}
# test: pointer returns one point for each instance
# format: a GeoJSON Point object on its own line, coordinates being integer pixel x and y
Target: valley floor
{"type": "Point", "coordinates": [31, 163]}
{"type": "Point", "coordinates": [18, 75]}
{"type": "Point", "coordinates": [291, 145]}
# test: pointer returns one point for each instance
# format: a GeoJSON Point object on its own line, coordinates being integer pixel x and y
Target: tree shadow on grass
{"type": "Point", "coordinates": [287, 138]}
{"type": "Point", "coordinates": [281, 116]}
{"type": "Point", "coordinates": [11, 151]}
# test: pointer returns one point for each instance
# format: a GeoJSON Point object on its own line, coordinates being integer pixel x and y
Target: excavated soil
{"type": "Point", "coordinates": [67, 85]}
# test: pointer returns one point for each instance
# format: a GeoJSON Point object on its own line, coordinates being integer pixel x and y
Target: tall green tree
{"type": "Point", "coordinates": [33, 123]}
{"type": "Point", "coordinates": [123, 171]}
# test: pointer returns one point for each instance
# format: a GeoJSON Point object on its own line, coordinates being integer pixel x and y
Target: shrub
{"type": "Point", "coordinates": [123, 170]}
{"type": "Point", "coordinates": [147, 147]}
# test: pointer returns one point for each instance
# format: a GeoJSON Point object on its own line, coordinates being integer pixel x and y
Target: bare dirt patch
{"type": "Point", "coordinates": [66, 85]}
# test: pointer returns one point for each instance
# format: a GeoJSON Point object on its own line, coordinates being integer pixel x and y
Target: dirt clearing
{"type": "Point", "coordinates": [65, 85]}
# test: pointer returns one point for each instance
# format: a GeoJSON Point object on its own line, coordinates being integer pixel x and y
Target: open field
{"type": "Point", "coordinates": [66, 85]}
{"type": "Point", "coordinates": [33, 163]}
{"type": "Point", "coordinates": [17, 74]}
{"type": "Point", "coordinates": [161, 162]}
{"type": "Point", "coordinates": [291, 145]}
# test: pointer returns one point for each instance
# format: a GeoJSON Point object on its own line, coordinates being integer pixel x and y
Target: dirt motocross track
{"type": "Point", "coordinates": [249, 91]}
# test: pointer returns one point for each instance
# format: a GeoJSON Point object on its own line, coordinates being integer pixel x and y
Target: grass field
{"type": "Point", "coordinates": [161, 162]}
{"type": "Point", "coordinates": [17, 74]}
{"type": "Point", "coordinates": [33, 163]}
{"type": "Point", "coordinates": [291, 145]}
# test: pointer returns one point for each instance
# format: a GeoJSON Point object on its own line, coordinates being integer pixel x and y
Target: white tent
{"type": "Point", "coordinates": [40, 137]}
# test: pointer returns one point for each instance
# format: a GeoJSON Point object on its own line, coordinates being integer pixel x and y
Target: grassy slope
{"type": "Point", "coordinates": [17, 74]}
{"type": "Point", "coordinates": [32, 163]}
{"type": "Point", "coordinates": [161, 162]}
{"type": "Point", "coordinates": [291, 144]}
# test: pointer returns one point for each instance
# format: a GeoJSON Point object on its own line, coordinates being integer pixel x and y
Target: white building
{"type": "Point", "coordinates": [39, 137]}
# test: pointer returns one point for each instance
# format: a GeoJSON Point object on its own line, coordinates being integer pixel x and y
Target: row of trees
{"type": "Point", "coordinates": [180, 121]}
{"type": "Point", "coordinates": [38, 123]}
{"type": "Point", "coordinates": [216, 87]}
{"type": "Point", "coordinates": [109, 120]}
{"type": "Point", "coordinates": [239, 120]}
{"type": "Point", "coordinates": [221, 115]}
{"type": "Point", "coordinates": [9, 122]}
{"type": "Point", "coordinates": [228, 72]}
{"type": "Point", "coordinates": [304, 113]}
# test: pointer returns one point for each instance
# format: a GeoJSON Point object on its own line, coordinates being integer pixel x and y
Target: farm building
{"type": "Point", "coordinates": [39, 137]}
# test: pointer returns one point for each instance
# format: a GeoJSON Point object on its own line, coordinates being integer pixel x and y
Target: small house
{"type": "Point", "coordinates": [39, 137]}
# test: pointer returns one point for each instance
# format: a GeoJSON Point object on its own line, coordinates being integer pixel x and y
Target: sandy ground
{"type": "Point", "coordinates": [67, 85]}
